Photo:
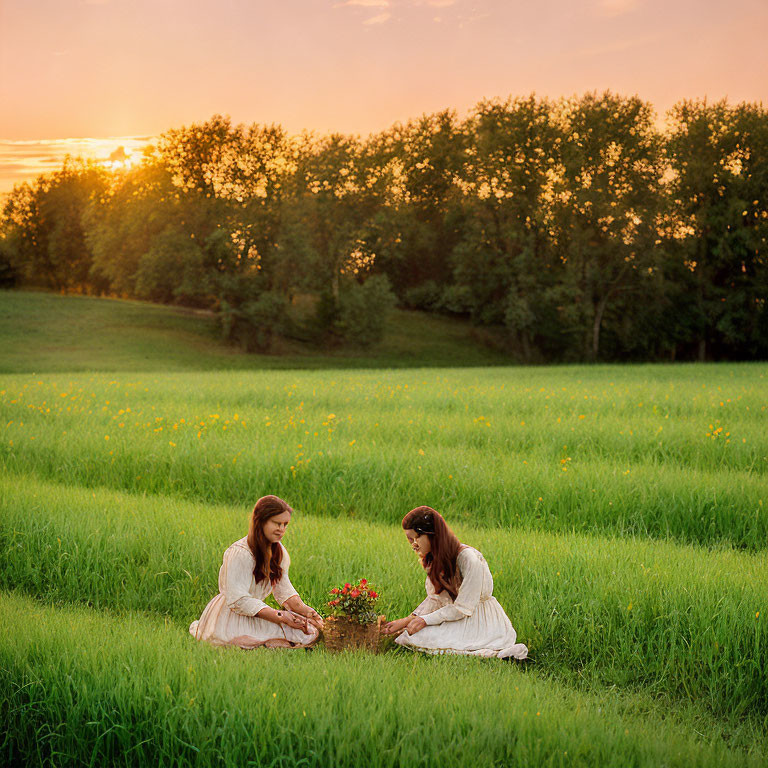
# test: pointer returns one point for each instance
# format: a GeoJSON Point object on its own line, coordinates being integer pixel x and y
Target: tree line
{"type": "Point", "coordinates": [570, 229]}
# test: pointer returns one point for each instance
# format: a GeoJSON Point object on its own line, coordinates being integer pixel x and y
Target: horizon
{"type": "Point", "coordinates": [23, 161]}
{"type": "Point", "coordinates": [98, 74]}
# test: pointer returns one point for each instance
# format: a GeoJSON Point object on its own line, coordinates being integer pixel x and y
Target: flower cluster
{"type": "Point", "coordinates": [355, 601]}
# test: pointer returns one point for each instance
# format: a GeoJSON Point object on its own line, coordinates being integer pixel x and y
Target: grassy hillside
{"type": "Point", "coordinates": [44, 332]}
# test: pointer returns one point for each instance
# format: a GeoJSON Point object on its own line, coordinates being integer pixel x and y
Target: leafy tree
{"type": "Point", "coordinates": [364, 309]}
{"type": "Point", "coordinates": [42, 226]}
{"type": "Point", "coordinates": [419, 220]}
{"type": "Point", "coordinates": [335, 196]}
{"type": "Point", "coordinates": [504, 260]}
{"type": "Point", "coordinates": [121, 224]}
{"type": "Point", "coordinates": [574, 229]}
{"type": "Point", "coordinates": [255, 323]}
{"type": "Point", "coordinates": [605, 209]}
{"type": "Point", "coordinates": [20, 232]}
{"type": "Point", "coordinates": [719, 194]}
{"type": "Point", "coordinates": [332, 196]}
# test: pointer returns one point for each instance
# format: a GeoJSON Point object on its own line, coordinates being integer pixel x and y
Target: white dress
{"type": "Point", "coordinates": [230, 618]}
{"type": "Point", "coordinates": [473, 624]}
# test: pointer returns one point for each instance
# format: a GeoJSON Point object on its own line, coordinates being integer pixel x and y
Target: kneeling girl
{"type": "Point", "coordinates": [460, 614]}
{"type": "Point", "coordinates": [254, 567]}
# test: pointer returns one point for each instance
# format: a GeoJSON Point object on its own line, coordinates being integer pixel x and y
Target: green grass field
{"type": "Point", "coordinates": [621, 509]}
{"type": "Point", "coordinates": [46, 332]}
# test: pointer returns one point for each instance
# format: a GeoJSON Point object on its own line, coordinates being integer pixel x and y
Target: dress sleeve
{"type": "Point", "coordinates": [238, 563]}
{"type": "Point", "coordinates": [466, 601]}
{"type": "Point", "coordinates": [283, 590]}
{"type": "Point", "coordinates": [429, 604]}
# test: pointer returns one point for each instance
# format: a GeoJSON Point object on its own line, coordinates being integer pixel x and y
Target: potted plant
{"type": "Point", "coordinates": [352, 621]}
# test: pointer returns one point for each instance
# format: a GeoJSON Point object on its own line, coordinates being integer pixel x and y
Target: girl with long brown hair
{"type": "Point", "coordinates": [460, 614]}
{"type": "Point", "coordinates": [255, 567]}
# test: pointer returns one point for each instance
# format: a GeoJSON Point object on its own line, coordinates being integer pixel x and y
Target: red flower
{"type": "Point", "coordinates": [335, 602]}
{"type": "Point", "coordinates": [344, 591]}
{"type": "Point", "coordinates": [347, 586]}
{"type": "Point", "coordinates": [373, 594]}
{"type": "Point", "coordinates": [335, 591]}
{"type": "Point", "coordinates": [355, 593]}
{"type": "Point", "coordinates": [363, 582]}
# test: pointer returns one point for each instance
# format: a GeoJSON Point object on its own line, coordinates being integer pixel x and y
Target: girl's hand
{"type": "Point", "coordinates": [395, 627]}
{"type": "Point", "coordinates": [416, 624]}
{"type": "Point", "coordinates": [314, 618]}
{"type": "Point", "coordinates": [292, 620]}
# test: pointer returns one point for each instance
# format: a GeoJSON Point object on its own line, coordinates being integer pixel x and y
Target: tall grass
{"type": "Point", "coordinates": [622, 512]}
{"type": "Point", "coordinates": [650, 451]}
{"type": "Point", "coordinates": [78, 688]}
{"type": "Point", "coordinates": [679, 620]}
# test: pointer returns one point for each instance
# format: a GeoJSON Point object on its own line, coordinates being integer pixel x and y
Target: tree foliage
{"type": "Point", "coordinates": [574, 229]}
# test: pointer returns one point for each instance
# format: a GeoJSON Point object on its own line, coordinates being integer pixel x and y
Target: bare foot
{"type": "Point", "coordinates": [278, 643]}
{"type": "Point", "coordinates": [246, 641]}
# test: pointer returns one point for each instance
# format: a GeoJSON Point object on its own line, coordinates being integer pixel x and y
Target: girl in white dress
{"type": "Point", "coordinates": [460, 614]}
{"type": "Point", "coordinates": [254, 567]}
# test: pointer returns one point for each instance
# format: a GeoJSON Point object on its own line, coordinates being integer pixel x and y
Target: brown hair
{"type": "Point", "coordinates": [440, 563]}
{"type": "Point", "coordinates": [268, 556]}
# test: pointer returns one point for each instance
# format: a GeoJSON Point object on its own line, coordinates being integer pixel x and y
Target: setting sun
{"type": "Point", "coordinates": [349, 66]}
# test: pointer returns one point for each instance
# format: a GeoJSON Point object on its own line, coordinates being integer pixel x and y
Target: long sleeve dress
{"type": "Point", "coordinates": [473, 624]}
{"type": "Point", "coordinates": [230, 617]}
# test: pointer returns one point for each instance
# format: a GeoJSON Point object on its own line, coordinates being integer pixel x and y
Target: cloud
{"type": "Point", "coordinates": [612, 8]}
{"type": "Point", "coordinates": [380, 19]}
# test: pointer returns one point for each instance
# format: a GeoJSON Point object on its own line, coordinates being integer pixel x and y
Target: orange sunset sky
{"type": "Point", "coordinates": [87, 76]}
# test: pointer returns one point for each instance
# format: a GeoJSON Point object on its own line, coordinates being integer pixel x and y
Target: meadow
{"type": "Point", "coordinates": [621, 509]}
